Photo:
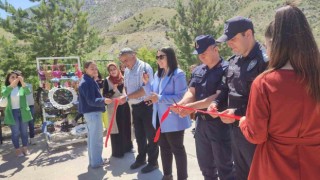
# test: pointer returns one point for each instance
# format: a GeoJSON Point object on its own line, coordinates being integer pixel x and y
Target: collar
{"type": "Point", "coordinates": [86, 76]}
{"type": "Point", "coordinates": [214, 67]}
{"type": "Point", "coordinates": [253, 52]}
{"type": "Point", "coordinates": [135, 65]}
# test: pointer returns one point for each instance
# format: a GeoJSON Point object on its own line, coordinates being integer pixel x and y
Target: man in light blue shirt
{"type": "Point", "coordinates": [141, 113]}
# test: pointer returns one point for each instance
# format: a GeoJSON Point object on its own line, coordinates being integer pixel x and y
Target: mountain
{"type": "Point", "coordinates": [125, 23]}
{"type": "Point", "coordinates": [144, 23]}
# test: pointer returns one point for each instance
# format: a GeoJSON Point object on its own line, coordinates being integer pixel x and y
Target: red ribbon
{"type": "Point", "coordinates": [116, 103]}
{"type": "Point", "coordinates": [216, 113]}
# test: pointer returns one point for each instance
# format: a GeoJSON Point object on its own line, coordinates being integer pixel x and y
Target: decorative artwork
{"type": "Point", "coordinates": [62, 98]}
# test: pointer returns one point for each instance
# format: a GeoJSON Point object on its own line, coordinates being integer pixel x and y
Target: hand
{"type": "Point", "coordinates": [122, 100]}
{"type": "Point", "coordinates": [153, 98]}
{"type": "Point", "coordinates": [145, 78]}
{"type": "Point", "coordinates": [107, 101]}
{"type": "Point", "coordinates": [20, 79]}
{"type": "Point", "coordinates": [228, 120]}
{"type": "Point", "coordinates": [175, 109]}
{"type": "Point", "coordinates": [213, 108]}
{"type": "Point", "coordinates": [185, 112]}
{"type": "Point", "coordinates": [14, 83]}
{"type": "Point", "coordinates": [242, 119]}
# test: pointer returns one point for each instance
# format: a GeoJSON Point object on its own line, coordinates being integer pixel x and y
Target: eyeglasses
{"type": "Point", "coordinates": [160, 57]}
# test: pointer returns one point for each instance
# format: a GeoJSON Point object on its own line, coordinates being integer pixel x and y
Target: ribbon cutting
{"type": "Point", "coordinates": [166, 113]}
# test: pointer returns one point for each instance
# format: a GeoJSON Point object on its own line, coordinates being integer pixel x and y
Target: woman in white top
{"type": "Point", "coordinates": [17, 112]}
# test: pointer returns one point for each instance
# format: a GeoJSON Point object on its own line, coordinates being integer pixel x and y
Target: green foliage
{"type": "Point", "coordinates": [15, 56]}
{"type": "Point", "coordinates": [54, 28]}
{"type": "Point", "coordinates": [148, 55]}
{"type": "Point", "coordinates": [199, 17]}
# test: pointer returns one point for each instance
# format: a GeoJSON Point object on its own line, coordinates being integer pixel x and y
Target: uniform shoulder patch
{"type": "Point", "coordinates": [252, 64]}
{"type": "Point", "coordinates": [264, 54]}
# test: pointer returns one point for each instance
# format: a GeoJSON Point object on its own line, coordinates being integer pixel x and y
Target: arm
{"type": "Point", "coordinates": [188, 97]}
{"type": "Point", "coordinates": [180, 87]}
{"type": "Point", "coordinates": [148, 85]}
{"type": "Point", "coordinates": [139, 93]}
{"type": "Point", "coordinates": [224, 90]}
{"type": "Point", "coordinates": [255, 126]}
{"type": "Point", "coordinates": [6, 91]}
{"type": "Point", "coordinates": [204, 103]}
{"type": "Point", "coordinates": [88, 92]}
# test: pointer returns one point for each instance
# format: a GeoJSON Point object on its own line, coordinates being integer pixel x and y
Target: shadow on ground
{"type": "Point", "coordinates": [41, 156]}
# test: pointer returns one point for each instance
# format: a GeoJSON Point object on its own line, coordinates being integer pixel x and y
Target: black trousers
{"type": "Point", "coordinates": [145, 132]}
{"type": "Point", "coordinates": [121, 142]}
{"type": "Point", "coordinates": [242, 151]}
{"type": "Point", "coordinates": [171, 143]}
{"type": "Point", "coordinates": [213, 147]}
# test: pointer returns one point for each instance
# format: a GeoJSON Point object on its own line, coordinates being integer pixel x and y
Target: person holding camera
{"type": "Point", "coordinates": [17, 112]}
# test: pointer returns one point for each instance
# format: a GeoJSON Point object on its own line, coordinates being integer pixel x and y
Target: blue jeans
{"type": "Point", "coordinates": [19, 129]}
{"type": "Point", "coordinates": [95, 138]}
{"type": "Point", "coordinates": [31, 123]}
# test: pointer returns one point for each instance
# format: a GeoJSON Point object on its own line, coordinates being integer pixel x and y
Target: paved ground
{"type": "Point", "coordinates": [71, 162]}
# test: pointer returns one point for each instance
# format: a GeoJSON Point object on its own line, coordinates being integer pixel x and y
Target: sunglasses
{"type": "Point", "coordinates": [160, 57]}
{"type": "Point", "coordinates": [17, 72]}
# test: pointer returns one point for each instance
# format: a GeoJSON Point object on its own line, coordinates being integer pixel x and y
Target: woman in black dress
{"type": "Point", "coordinates": [121, 129]}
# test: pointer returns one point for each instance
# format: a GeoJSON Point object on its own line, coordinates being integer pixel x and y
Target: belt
{"type": "Point", "coordinates": [204, 117]}
{"type": "Point", "coordinates": [138, 104]}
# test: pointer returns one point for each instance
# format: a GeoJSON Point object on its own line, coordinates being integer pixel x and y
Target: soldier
{"type": "Point", "coordinates": [212, 137]}
{"type": "Point", "coordinates": [248, 62]}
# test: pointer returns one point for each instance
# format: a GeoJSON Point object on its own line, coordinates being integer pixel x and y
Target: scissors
{"type": "Point", "coordinates": [175, 102]}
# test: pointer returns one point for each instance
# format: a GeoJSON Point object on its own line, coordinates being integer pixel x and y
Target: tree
{"type": "Point", "coordinates": [148, 55]}
{"type": "Point", "coordinates": [14, 56]}
{"type": "Point", "coordinates": [199, 17]}
{"type": "Point", "coordinates": [54, 28]}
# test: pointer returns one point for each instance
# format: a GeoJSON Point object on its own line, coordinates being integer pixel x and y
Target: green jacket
{"type": "Point", "coordinates": [24, 108]}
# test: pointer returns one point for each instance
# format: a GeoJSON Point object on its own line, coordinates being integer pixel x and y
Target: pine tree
{"type": "Point", "coordinates": [54, 28]}
{"type": "Point", "coordinates": [199, 17]}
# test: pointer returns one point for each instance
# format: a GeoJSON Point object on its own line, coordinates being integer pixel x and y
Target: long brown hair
{"type": "Point", "coordinates": [293, 41]}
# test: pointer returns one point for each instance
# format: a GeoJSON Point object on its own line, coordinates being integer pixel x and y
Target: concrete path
{"type": "Point", "coordinates": [71, 162]}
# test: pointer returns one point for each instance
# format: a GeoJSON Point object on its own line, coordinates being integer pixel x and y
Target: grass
{"type": "Point", "coordinates": [152, 17]}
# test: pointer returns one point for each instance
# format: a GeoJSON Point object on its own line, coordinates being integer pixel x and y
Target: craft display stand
{"type": "Point", "coordinates": [59, 78]}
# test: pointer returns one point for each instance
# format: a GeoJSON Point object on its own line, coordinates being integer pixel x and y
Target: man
{"type": "Point", "coordinates": [247, 63]}
{"type": "Point", "coordinates": [141, 113]}
{"type": "Point", "coordinates": [212, 137]}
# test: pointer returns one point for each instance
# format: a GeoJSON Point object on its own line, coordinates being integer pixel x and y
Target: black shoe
{"type": "Point", "coordinates": [137, 164]}
{"type": "Point", "coordinates": [167, 177]}
{"type": "Point", "coordinates": [149, 168]}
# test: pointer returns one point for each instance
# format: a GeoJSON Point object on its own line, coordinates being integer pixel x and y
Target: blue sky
{"type": "Point", "coordinates": [18, 4]}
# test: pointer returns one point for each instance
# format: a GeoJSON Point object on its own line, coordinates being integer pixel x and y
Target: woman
{"type": "Point", "coordinates": [121, 129]}
{"type": "Point", "coordinates": [91, 105]}
{"type": "Point", "coordinates": [17, 112]}
{"type": "Point", "coordinates": [284, 105]}
{"type": "Point", "coordinates": [168, 87]}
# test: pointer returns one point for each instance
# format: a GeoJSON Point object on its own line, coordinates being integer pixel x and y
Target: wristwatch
{"type": "Point", "coordinates": [127, 98]}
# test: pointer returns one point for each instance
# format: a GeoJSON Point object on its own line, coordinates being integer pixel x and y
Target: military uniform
{"type": "Point", "coordinates": [212, 136]}
{"type": "Point", "coordinates": [239, 77]}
